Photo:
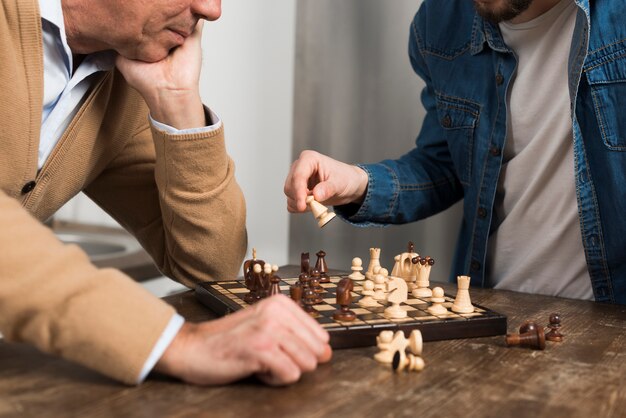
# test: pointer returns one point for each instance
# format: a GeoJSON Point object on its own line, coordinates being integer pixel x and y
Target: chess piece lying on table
{"type": "Point", "coordinates": [534, 338]}
{"type": "Point", "coordinates": [320, 211]}
{"type": "Point", "coordinates": [393, 350]}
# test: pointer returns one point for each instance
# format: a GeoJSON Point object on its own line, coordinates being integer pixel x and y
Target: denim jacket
{"type": "Point", "coordinates": [458, 155]}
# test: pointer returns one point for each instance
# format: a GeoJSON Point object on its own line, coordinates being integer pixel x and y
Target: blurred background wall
{"type": "Point", "coordinates": [357, 100]}
{"type": "Point", "coordinates": [329, 75]}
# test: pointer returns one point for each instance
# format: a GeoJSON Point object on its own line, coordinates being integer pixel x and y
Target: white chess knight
{"type": "Point", "coordinates": [462, 302]}
{"type": "Point", "coordinates": [398, 293]}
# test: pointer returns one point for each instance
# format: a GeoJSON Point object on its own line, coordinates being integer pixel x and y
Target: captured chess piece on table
{"type": "Point", "coordinates": [393, 347]}
{"type": "Point", "coordinates": [534, 337]}
{"type": "Point", "coordinates": [321, 212]}
{"type": "Point", "coordinates": [554, 334]}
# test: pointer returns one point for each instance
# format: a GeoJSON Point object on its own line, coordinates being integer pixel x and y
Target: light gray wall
{"type": "Point", "coordinates": [247, 79]}
{"type": "Point", "coordinates": [357, 100]}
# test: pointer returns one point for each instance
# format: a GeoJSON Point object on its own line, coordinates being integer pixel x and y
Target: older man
{"type": "Point", "coordinates": [524, 123]}
{"type": "Point", "coordinates": [102, 97]}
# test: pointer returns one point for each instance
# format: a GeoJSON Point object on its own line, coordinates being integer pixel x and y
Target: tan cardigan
{"type": "Point", "coordinates": [177, 195]}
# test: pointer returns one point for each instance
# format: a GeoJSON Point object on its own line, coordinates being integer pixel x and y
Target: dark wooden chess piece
{"type": "Point", "coordinates": [250, 281]}
{"type": "Point", "coordinates": [309, 302]}
{"type": "Point", "coordinates": [532, 339]}
{"type": "Point", "coordinates": [528, 326]}
{"type": "Point", "coordinates": [304, 279]}
{"type": "Point", "coordinates": [314, 284]}
{"type": "Point", "coordinates": [344, 299]}
{"type": "Point", "coordinates": [316, 281]}
{"type": "Point", "coordinates": [554, 325]}
{"type": "Point", "coordinates": [295, 292]}
{"type": "Point", "coordinates": [411, 247]}
{"type": "Point", "coordinates": [274, 284]}
{"type": "Point", "coordinates": [320, 265]}
{"type": "Point", "coordinates": [305, 265]}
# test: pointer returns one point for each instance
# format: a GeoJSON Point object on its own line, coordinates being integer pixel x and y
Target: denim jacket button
{"type": "Point", "coordinates": [495, 151]}
{"type": "Point", "coordinates": [475, 265]}
{"type": "Point", "coordinates": [446, 121]}
{"type": "Point", "coordinates": [499, 79]}
{"type": "Point", "coordinates": [482, 212]}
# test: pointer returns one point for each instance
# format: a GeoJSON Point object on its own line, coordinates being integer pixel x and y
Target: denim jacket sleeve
{"type": "Point", "coordinates": [420, 183]}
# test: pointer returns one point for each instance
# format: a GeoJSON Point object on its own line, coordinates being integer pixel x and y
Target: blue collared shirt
{"type": "Point", "coordinates": [467, 68]}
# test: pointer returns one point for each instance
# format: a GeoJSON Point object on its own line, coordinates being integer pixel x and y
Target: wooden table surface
{"type": "Point", "coordinates": [584, 376]}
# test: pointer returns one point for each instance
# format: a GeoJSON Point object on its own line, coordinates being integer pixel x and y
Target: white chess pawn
{"type": "Point", "coordinates": [462, 302]}
{"type": "Point", "coordinates": [368, 301]}
{"type": "Point", "coordinates": [410, 362]}
{"type": "Point", "coordinates": [374, 261]}
{"type": "Point", "coordinates": [320, 211]}
{"type": "Point", "coordinates": [383, 341]}
{"type": "Point", "coordinates": [395, 271]}
{"type": "Point", "coordinates": [379, 287]}
{"type": "Point", "coordinates": [437, 300]}
{"type": "Point", "coordinates": [384, 272]}
{"type": "Point", "coordinates": [356, 268]}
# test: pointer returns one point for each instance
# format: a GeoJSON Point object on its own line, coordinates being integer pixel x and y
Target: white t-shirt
{"type": "Point", "coordinates": [536, 246]}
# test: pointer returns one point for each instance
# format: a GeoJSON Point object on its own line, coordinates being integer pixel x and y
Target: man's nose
{"type": "Point", "coordinates": [207, 9]}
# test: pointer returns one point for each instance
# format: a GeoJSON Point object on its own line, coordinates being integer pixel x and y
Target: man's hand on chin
{"type": "Point", "coordinates": [170, 87]}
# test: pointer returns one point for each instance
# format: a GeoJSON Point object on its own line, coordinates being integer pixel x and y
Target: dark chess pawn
{"type": "Point", "coordinates": [304, 279]}
{"type": "Point", "coordinates": [274, 282]}
{"type": "Point", "coordinates": [344, 299]}
{"type": "Point", "coordinates": [314, 285]}
{"type": "Point", "coordinates": [295, 292]}
{"type": "Point", "coordinates": [554, 325]}
{"type": "Point", "coordinates": [532, 339]}
{"type": "Point", "coordinates": [309, 302]}
{"type": "Point", "coordinates": [321, 266]}
{"type": "Point", "coordinates": [315, 282]}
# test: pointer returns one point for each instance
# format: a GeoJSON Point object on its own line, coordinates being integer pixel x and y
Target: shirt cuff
{"type": "Point", "coordinates": [164, 341]}
{"type": "Point", "coordinates": [214, 124]}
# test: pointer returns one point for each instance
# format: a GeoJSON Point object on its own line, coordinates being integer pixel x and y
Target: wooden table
{"type": "Point", "coordinates": [584, 376]}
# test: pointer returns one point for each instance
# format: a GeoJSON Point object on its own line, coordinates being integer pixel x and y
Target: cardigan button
{"type": "Point", "coordinates": [475, 265]}
{"type": "Point", "coordinates": [28, 187]}
{"type": "Point", "coordinates": [482, 212]}
{"type": "Point", "coordinates": [499, 79]}
{"type": "Point", "coordinates": [446, 121]}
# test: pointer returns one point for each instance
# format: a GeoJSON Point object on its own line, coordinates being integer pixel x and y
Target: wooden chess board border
{"type": "Point", "coordinates": [485, 324]}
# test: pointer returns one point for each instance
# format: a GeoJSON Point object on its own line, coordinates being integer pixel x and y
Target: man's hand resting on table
{"type": "Point", "coordinates": [274, 340]}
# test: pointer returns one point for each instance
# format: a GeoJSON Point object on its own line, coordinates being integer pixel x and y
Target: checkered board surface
{"type": "Point", "coordinates": [224, 297]}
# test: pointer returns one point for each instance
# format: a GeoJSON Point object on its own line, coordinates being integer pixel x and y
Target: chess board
{"type": "Point", "coordinates": [224, 297]}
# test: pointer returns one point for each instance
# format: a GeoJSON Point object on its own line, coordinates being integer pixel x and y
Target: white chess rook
{"type": "Point", "coordinates": [374, 262]}
{"type": "Point", "coordinates": [462, 302]}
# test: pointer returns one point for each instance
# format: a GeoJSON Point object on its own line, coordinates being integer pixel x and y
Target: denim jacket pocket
{"type": "Point", "coordinates": [607, 80]}
{"type": "Point", "coordinates": [458, 118]}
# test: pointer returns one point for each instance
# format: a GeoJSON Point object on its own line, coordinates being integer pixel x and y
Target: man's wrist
{"type": "Point", "coordinates": [180, 111]}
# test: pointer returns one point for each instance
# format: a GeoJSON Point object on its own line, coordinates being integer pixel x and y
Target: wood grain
{"type": "Point", "coordinates": [583, 376]}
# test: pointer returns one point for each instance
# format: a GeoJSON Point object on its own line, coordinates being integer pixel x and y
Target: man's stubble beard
{"type": "Point", "coordinates": [512, 9]}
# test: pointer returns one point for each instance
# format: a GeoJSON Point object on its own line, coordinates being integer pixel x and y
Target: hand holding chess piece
{"type": "Point", "coordinates": [321, 212]}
